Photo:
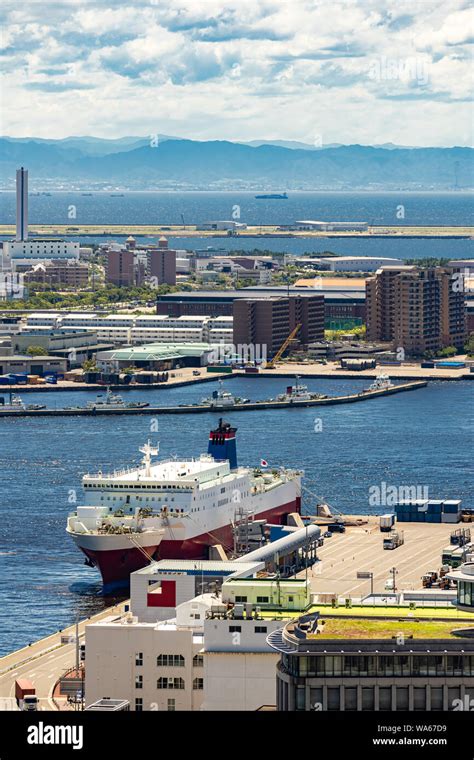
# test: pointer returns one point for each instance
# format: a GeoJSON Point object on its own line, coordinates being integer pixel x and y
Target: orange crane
{"type": "Point", "coordinates": [283, 347]}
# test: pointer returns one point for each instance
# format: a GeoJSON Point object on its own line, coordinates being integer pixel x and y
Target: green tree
{"type": "Point", "coordinates": [469, 345]}
{"type": "Point", "coordinates": [36, 351]}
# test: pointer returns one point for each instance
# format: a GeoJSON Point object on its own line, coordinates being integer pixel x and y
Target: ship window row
{"type": "Point", "coordinates": [131, 487]}
{"type": "Point", "coordinates": [143, 498]}
{"type": "Point", "coordinates": [379, 665]}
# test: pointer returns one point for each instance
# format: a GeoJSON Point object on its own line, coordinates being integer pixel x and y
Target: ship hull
{"type": "Point", "coordinates": [197, 547]}
{"type": "Point", "coordinates": [115, 565]}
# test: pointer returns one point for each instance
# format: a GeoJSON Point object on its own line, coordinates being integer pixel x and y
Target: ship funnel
{"type": "Point", "coordinates": [222, 443]}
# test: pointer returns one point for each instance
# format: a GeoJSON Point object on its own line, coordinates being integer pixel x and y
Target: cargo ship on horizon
{"type": "Point", "coordinates": [176, 508]}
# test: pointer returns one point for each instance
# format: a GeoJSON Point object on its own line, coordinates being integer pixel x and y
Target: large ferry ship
{"type": "Point", "coordinates": [177, 508]}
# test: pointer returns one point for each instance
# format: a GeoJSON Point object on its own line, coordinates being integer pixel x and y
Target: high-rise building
{"type": "Point", "coordinates": [21, 205]}
{"type": "Point", "coordinates": [162, 263]}
{"type": "Point", "coordinates": [120, 267]}
{"type": "Point", "coordinates": [416, 309]}
{"type": "Point", "coordinates": [269, 321]}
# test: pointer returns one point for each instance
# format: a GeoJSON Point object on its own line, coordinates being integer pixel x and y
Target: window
{"type": "Point", "coordinates": [139, 658]}
{"type": "Point", "coordinates": [240, 599]}
{"type": "Point", "coordinates": [170, 683]}
{"type": "Point", "coordinates": [198, 684]}
{"type": "Point", "coordinates": [235, 628]}
{"type": "Point", "coordinates": [198, 661]}
{"type": "Point", "coordinates": [170, 661]}
{"type": "Point", "coordinates": [262, 600]}
{"type": "Point", "coordinates": [260, 629]}
{"type": "Point", "coordinates": [139, 704]}
{"type": "Point", "coordinates": [139, 682]}
{"type": "Point", "coordinates": [171, 705]}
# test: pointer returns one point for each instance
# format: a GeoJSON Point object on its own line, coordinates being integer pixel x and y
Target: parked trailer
{"type": "Point", "coordinates": [25, 695]}
{"type": "Point", "coordinates": [387, 522]}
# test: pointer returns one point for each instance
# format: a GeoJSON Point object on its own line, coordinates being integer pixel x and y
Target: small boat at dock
{"type": "Point", "coordinates": [110, 401]}
{"type": "Point", "coordinates": [381, 383]}
{"type": "Point", "coordinates": [16, 404]}
{"type": "Point", "coordinates": [222, 399]}
{"type": "Point", "coordinates": [298, 392]}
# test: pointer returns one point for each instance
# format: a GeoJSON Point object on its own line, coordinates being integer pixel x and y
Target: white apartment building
{"type": "Point", "coordinates": [26, 250]}
{"type": "Point", "coordinates": [186, 644]}
{"type": "Point", "coordinates": [202, 659]}
{"type": "Point", "coordinates": [133, 329]}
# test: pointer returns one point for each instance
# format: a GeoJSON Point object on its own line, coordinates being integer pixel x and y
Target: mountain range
{"type": "Point", "coordinates": [166, 162]}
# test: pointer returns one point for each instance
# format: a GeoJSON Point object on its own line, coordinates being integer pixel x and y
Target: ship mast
{"type": "Point", "coordinates": [148, 451]}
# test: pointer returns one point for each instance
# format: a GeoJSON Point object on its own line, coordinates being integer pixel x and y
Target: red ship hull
{"type": "Point", "coordinates": [115, 566]}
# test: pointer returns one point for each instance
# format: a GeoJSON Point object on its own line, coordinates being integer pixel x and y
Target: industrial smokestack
{"type": "Point", "coordinates": [21, 204]}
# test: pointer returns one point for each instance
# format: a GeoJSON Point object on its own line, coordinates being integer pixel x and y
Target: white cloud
{"type": "Point", "coordinates": [365, 71]}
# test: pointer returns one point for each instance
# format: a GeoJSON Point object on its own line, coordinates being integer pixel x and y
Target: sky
{"type": "Point", "coordinates": [348, 71]}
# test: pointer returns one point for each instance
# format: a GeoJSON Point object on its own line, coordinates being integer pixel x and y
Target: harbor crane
{"type": "Point", "coordinates": [283, 347]}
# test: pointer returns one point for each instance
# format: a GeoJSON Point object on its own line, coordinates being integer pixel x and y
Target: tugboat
{"type": "Point", "coordinates": [381, 383]}
{"type": "Point", "coordinates": [222, 399]}
{"type": "Point", "coordinates": [298, 392]}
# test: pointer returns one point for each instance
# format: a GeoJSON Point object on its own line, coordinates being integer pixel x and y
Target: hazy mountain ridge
{"type": "Point", "coordinates": [134, 163]}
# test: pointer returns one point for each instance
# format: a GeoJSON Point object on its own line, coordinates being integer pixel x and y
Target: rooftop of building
{"type": "Point", "coordinates": [356, 283]}
{"type": "Point", "coordinates": [158, 352]}
{"type": "Point", "coordinates": [227, 296]}
{"type": "Point", "coordinates": [347, 629]}
{"type": "Point", "coordinates": [199, 566]}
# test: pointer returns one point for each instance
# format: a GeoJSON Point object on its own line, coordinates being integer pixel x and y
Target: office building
{"type": "Point", "coordinates": [344, 308]}
{"type": "Point", "coordinates": [415, 669]}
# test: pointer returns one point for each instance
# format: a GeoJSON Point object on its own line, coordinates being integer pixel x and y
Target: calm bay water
{"type": "Point", "coordinates": [431, 209]}
{"type": "Point", "coordinates": [420, 438]}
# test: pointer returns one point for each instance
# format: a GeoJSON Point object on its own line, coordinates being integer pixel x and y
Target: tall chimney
{"type": "Point", "coordinates": [21, 204]}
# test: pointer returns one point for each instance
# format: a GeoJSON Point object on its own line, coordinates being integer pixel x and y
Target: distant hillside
{"type": "Point", "coordinates": [174, 163]}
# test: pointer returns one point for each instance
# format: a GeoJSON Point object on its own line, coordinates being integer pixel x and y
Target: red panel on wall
{"type": "Point", "coordinates": [165, 596]}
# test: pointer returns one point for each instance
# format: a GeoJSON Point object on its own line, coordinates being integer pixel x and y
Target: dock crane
{"type": "Point", "coordinates": [283, 347]}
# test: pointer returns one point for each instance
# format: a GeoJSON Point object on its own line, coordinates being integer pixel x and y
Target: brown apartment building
{"type": "Point", "coordinates": [416, 309]}
{"type": "Point", "coordinates": [120, 267]}
{"type": "Point", "coordinates": [129, 266]}
{"type": "Point", "coordinates": [269, 321]}
{"type": "Point", "coordinates": [162, 263]}
{"type": "Point", "coordinates": [50, 273]}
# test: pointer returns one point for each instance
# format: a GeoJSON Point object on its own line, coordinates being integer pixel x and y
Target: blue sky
{"type": "Point", "coordinates": [346, 71]}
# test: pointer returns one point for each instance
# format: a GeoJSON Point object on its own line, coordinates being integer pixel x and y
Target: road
{"type": "Point", "coordinates": [45, 661]}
